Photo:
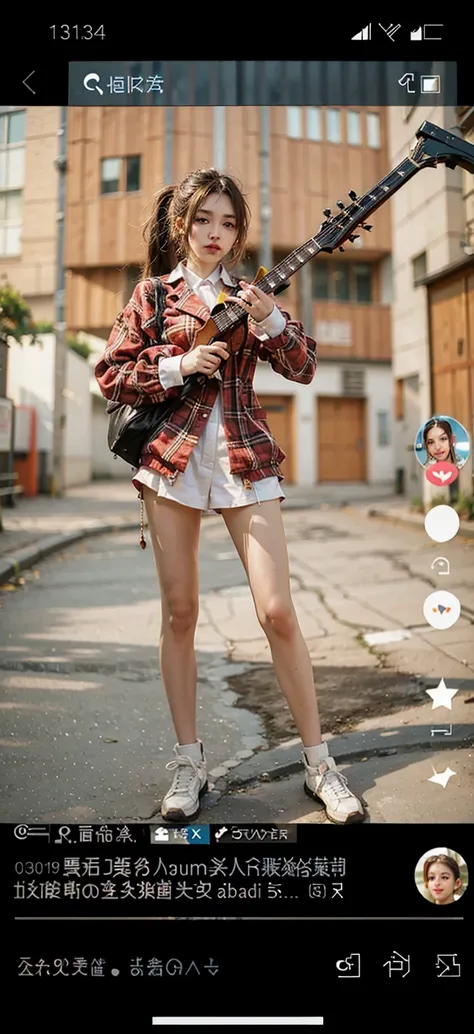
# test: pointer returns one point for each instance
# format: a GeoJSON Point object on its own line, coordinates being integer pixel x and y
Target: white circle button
{"type": "Point", "coordinates": [441, 523]}
{"type": "Point", "coordinates": [441, 609]}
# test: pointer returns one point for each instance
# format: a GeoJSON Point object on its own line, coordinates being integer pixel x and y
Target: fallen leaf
{"type": "Point", "coordinates": [8, 587]}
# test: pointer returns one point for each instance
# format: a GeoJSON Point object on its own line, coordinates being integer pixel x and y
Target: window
{"type": "Point", "coordinates": [419, 267]}
{"type": "Point", "coordinates": [293, 123]}
{"type": "Point", "coordinates": [110, 178]}
{"type": "Point", "coordinates": [353, 127]}
{"type": "Point", "coordinates": [362, 282]}
{"type": "Point", "coordinates": [11, 202]}
{"type": "Point", "coordinates": [314, 129]}
{"type": "Point", "coordinates": [320, 280]}
{"type": "Point", "coordinates": [120, 174]}
{"type": "Point", "coordinates": [12, 179]}
{"type": "Point", "coordinates": [133, 172]}
{"type": "Point", "coordinates": [383, 429]}
{"type": "Point", "coordinates": [333, 125]}
{"type": "Point", "coordinates": [342, 281]}
{"type": "Point", "coordinates": [373, 129]}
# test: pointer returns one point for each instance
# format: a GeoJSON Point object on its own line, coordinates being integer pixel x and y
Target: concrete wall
{"type": "Point", "coordinates": [427, 216]}
{"type": "Point", "coordinates": [30, 381]}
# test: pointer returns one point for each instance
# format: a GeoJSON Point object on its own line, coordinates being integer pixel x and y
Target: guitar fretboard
{"type": "Point", "coordinates": [328, 238]}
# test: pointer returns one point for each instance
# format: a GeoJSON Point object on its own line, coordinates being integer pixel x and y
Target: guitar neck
{"type": "Point", "coordinates": [342, 226]}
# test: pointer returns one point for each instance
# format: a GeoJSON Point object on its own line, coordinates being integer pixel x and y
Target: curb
{"type": "Point", "coordinates": [466, 529]}
{"type": "Point", "coordinates": [11, 566]}
{"type": "Point", "coordinates": [285, 760]}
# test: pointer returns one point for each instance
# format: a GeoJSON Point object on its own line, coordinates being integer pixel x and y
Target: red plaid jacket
{"type": "Point", "coordinates": [128, 372]}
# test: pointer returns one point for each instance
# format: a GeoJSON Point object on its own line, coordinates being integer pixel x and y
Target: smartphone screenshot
{"type": "Point", "coordinates": [236, 526]}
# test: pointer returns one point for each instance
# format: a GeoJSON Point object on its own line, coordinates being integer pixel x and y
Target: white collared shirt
{"type": "Point", "coordinates": [208, 290]}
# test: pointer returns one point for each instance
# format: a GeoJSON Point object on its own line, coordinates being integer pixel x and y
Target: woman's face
{"type": "Point", "coordinates": [441, 883]}
{"type": "Point", "coordinates": [214, 231]}
{"type": "Point", "coordinates": [438, 443]}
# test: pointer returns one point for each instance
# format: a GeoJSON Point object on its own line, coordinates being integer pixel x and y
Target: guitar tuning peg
{"type": "Point", "coordinates": [340, 204]}
{"type": "Point", "coordinates": [327, 212]}
{"type": "Point", "coordinates": [341, 249]}
{"type": "Point", "coordinates": [366, 226]}
{"type": "Point", "coordinates": [353, 237]}
{"type": "Point", "coordinates": [353, 195]}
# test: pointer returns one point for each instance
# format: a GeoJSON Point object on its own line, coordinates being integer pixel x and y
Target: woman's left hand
{"type": "Point", "coordinates": [254, 301]}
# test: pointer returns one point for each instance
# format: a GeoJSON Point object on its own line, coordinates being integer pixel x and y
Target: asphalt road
{"type": "Point", "coordinates": [86, 731]}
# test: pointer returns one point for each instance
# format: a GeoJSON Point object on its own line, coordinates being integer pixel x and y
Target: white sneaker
{"type": "Point", "coordinates": [326, 784]}
{"type": "Point", "coordinates": [182, 801]}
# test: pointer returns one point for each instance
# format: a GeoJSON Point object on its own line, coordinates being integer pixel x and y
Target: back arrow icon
{"type": "Point", "coordinates": [25, 83]}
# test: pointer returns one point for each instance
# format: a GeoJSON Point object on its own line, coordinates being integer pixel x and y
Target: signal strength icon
{"type": "Point", "coordinates": [365, 33]}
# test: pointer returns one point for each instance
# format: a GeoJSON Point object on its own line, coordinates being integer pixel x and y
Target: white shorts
{"type": "Point", "coordinates": [207, 483]}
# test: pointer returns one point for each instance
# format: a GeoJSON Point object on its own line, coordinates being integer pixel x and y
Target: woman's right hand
{"type": "Point", "coordinates": [204, 359]}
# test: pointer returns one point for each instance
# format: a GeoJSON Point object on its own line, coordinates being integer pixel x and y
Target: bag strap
{"type": "Point", "coordinates": [160, 301]}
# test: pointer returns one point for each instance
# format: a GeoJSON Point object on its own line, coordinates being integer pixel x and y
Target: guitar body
{"type": "Point", "coordinates": [210, 331]}
{"type": "Point", "coordinates": [234, 340]}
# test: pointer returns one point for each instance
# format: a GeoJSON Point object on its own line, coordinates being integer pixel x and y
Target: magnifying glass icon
{"type": "Point", "coordinates": [92, 78]}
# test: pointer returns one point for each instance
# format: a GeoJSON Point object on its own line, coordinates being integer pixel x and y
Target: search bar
{"type": "Point", "coordinates": [120, 83]}
{"type": "Point", "coordinates": [235, 1021]}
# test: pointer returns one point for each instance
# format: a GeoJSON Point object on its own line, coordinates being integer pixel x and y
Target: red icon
{"type": "Point", "coordinates": [442, 473]}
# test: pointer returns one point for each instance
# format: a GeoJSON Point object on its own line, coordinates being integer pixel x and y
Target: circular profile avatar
{"type": "Point", "coordinates": [442, 440]}
{"type": "Point", "coordinates": [441, 876]}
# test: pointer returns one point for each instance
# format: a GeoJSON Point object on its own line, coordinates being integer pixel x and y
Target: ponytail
{"type": "Point", "coordinates": [160, 253]}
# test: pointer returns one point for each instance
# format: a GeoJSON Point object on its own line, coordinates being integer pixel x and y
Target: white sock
{"type": "Point", "coordinates": [317, 754]}
{"type": "Point", "coordinates": [192, 750]}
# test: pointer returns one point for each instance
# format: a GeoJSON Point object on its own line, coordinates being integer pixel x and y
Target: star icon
{"type": "Point", "coordinates": [441, 777]}
{"type": "Point", "coordinates": [442, 696]}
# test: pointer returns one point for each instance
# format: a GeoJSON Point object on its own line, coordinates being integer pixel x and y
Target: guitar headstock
{"type": "Point", "coordinates": [434, 146]}
{"type": "Point", "coordinates": [441, 146]}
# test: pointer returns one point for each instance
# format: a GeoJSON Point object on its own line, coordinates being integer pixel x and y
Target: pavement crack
{"type": "Point", "coordinates": [142, 670]}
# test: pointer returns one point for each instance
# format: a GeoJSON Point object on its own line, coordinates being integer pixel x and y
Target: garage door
{"type": "Point", "coordinates": [341, 439]}
{"type": "Point", "coordinates": [279, 410]}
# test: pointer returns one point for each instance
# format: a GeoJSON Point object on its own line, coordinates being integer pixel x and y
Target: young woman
{"type": "Point", "coordinates": [215, 452]}
{"type": "Point", "coordinates": [440, 442]}
{"type": "Point", "coordinates": [442, 879]}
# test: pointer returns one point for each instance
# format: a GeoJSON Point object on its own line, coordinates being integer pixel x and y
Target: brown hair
{"type": "Point", "coordinates": [444, 859]}
{"type": "Point", "coordinates": [166, 242]}
{"type": "Point", "coordinates": [446, 427]}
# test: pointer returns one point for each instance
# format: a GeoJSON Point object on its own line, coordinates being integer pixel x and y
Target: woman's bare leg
{"type": "Point", "coordinates": [174, 531]}
{"type": "Point", "coordinates": [258, 535]}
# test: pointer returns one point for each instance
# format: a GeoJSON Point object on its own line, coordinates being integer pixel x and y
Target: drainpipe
{"type": "Point", "coordinates": [57, 481]}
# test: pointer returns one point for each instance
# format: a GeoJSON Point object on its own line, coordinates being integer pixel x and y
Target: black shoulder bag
{"type": "Point", "coordinates": [131, 427]}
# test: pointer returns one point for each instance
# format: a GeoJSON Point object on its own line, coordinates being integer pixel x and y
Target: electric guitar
{"type": "Point", "coordinates": [434, 146]}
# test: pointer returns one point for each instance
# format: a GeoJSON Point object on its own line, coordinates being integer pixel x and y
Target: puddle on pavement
{"type": "Point", "coordinates": [346, 696]}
